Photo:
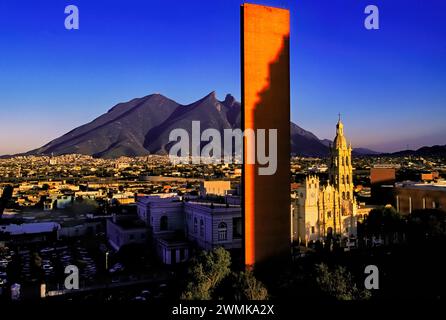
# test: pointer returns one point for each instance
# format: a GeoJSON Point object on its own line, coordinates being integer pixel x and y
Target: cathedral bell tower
{"type": "Point", "coordinates": [340, 166]}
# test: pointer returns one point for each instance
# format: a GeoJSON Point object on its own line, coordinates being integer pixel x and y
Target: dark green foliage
{"type": "Point", "coordinates": [210, 277]}
{"type": "Point", "coordinates": [246, 287]}
{"type": "Point", "coordinates": [338, 283]}
{"type": "Point", "coordinates": [205, 272]}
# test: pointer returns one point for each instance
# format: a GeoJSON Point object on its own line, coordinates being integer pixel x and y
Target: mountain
{"type": "Point", "coordinates": [305, 143]}
{"type": "Point", "coordinates": [142, 126]}
{"type": "Point", "coordinates": [434, 151]}
{"type": "Point", "coordinates": [119, 132]}
{"type": "Point", "coordinates": [365, 152]}
{"type": "Point", "coordinates": [209, 111]}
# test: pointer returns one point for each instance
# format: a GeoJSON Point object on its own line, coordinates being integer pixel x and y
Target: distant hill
{"type": "Point", "coordinates": [434, 151]}
{"type": "Point", "coordinates": [355, 151]}
{"type": "Point", "coordinates": [142, 126]}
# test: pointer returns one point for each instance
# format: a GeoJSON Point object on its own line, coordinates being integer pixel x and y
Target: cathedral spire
{"type": "Point", "coordinates": [340, 170]}
{"type": "Point", "coordinates": [339, 140]}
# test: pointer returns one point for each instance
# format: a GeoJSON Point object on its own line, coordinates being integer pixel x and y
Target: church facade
{"type": "Point", "coordinates": [329, 209]}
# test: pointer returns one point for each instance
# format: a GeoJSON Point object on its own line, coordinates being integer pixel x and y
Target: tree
{"type": "Point", "coordinates": [247, 287]}
{"type": "Point", "coordinates": [338, 283]}
{"type": "Point", "coordinates": [382, 221]}
{"type": "Point", "coordinates": [205, 272]}
{"type": "Point", "coordinates": [427, 224]}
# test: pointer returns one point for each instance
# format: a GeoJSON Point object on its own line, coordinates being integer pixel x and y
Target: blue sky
{"type": "Point", "coordinates": [388, 83]}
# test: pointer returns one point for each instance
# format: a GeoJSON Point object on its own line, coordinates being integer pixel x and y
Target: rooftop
{"type": "Point", "coordinates": [434, 186]}
{"type": "Point", "coordinates": [29, 228]}
{"type": "Point", "coordinates": [128, 224]}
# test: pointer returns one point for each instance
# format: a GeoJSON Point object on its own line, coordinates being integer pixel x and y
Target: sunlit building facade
{"type": "Point", "coordinates": [329, 209]}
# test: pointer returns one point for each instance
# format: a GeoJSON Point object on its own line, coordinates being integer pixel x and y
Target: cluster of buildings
{"type": "Point", "coordinates": [176, 213]}
{"type": "Point", "coordinates": [174, 225]}
{"type": "Point", "coordinates": [75, 166]}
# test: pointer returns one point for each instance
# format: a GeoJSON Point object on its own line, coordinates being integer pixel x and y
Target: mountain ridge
{"type": "Point", "coordinates": [141, 126]}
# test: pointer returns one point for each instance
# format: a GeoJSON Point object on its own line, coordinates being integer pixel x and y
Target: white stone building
{"type": "Point", "coordinates": [213, 225]}
{"type": "Point", "coordinates": [176, 226]}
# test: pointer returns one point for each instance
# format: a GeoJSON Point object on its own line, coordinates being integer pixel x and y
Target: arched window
{"type": "Point", "coordinates": [348, 194]}
{"type": "Point", "coordinates": [222, 231]}
{"type": "Point", "coordinates": [342, 158]}
{"type": "Point", "coordinates": [164, 223]}
{"type": "Point", "coordinates": [346, 160]}
{"type": "Point", "coordinates": [343, 195]}
{"type": "Point", "coordinates": [195, 225]}
{"type": "Point", "coordinates": [348, 179]}
{"type": "Point", "coordinates": [201, 227]}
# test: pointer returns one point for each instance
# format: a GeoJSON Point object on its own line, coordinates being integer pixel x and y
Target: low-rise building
{"type": "Point", "coordinates": [215, 188]}
{"type": "Point", "coordinates": [123, 230]}
{"type": "Point", "coordinates": [213, 225]}
{"type": "Point", "coordinates": [174, 226]}
{"type": "Point", "coordinates": [410, 196]}
{"type": "Point", "coordinates": [29, 232]}
{"type": "Point", "coordinates": [162, 213]}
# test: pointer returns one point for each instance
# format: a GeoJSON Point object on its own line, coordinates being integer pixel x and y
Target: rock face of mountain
{"type": "Point", "coordinates": [209, 111]}
{"type": "Point", "coordinates": [305, 143]}
{"type": "Point", "coordinates": [142, 126]}
{"type": "Point", "coordinates": [119, 132]}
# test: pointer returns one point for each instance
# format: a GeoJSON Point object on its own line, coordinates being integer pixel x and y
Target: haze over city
{"type": "Point", "coordinates": [386, 84]}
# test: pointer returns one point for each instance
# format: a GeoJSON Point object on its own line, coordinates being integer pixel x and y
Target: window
{"type": "Point", "coordinates": [343, 195]}
{"type": "Point", "coordinates": [201, 227]}
{"type": "Point", "coordinates": [237, 228]}
{"type": "Point", "coordinates": [348, 179]}
{"type": "Point", "coordinates": [182, 255]}
{"type": "Point", "coordinates": [164, 223]}
{"type": "Point", "coordinates": [222, 231]}
{"type": "Point", "coordinates": [195, 225]}
{"type": "Point", "coordinates": [312, 230]}
{"type": "Point", "coordinates": [348, 194]}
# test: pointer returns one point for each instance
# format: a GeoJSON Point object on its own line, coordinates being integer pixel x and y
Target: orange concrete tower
{"type": "Point", "coordinates": [266, 105]}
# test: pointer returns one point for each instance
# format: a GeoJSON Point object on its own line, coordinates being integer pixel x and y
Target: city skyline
{"type": "Point", "coordinates": [54, 80]}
